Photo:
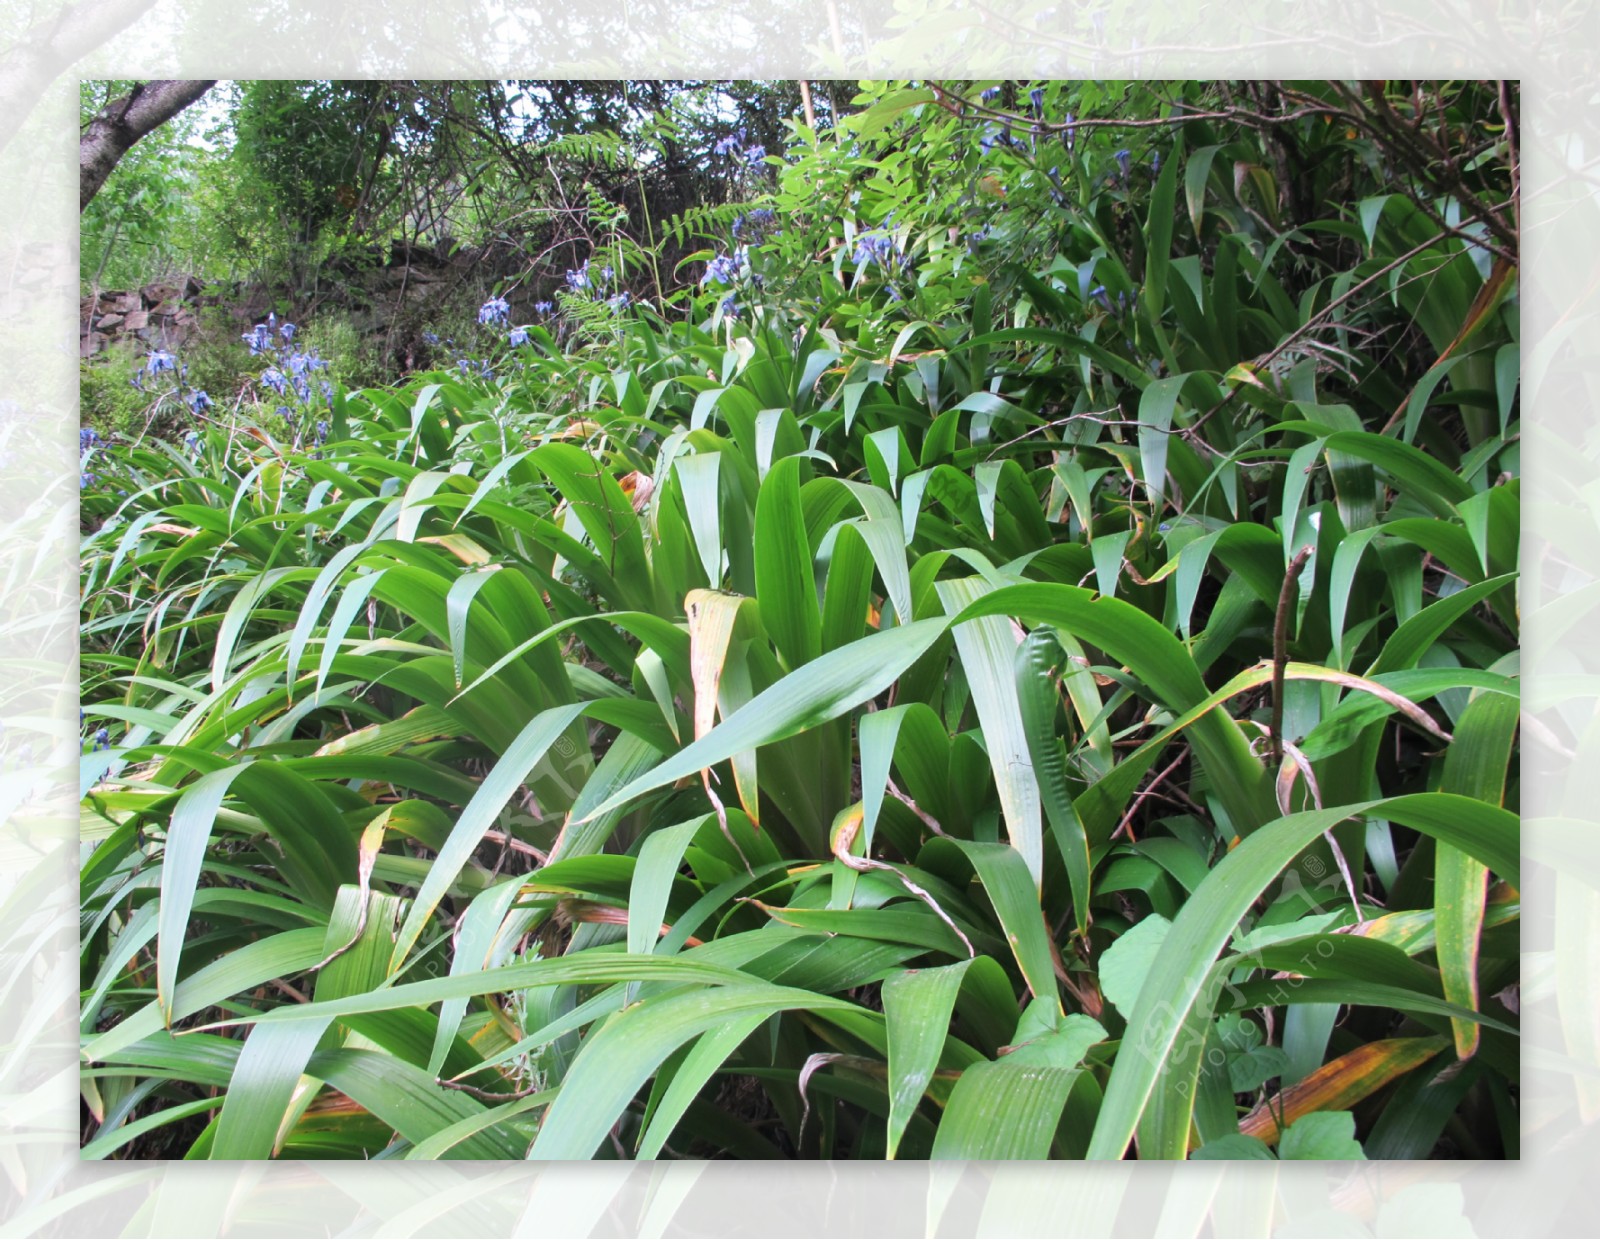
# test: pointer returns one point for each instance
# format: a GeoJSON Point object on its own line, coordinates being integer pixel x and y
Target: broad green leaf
{"type": "Point", "coordinates": [1003, 1110]}
{"type": "Point", "coordinates": [501, 784]}
{"type": "Point", "coordinates": [1475, 765]}
{"type": "Point", "coordinates": [988, 650]}
{"type": "Point", "coordinates": [832, 684]}
{"type": "Point", "coordinates": [917, 1004]}
{"type": "Point", "coordinates": [710, 1051]}
{"type": "Point", "coordinates": [1038, 702]}
{"type": "Point", "coordinates": [188, 833]}
{"type": "Point", "coordinates": [1321, 1136]}
{"type": "Point", "coordinates": [1126, 964]}
{"type": "Point", "coordinates": [785, 585]}
{"type": "Point", "coordinates": [619, 1058]}
{"type": "Point", "coordinates": [1175, 981]}
{"type": "Point", "coordinates": [1015, 897]}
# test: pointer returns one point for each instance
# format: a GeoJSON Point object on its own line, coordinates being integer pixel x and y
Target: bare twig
{"type": "Point", "coordinates": [928, 819]}
{"type": "Point", "coordinates": [488, 1095]}
{"type": "Point", "coordinates": [1127, 819]}
{"type": "Point", "coordinates": [1312, 324]}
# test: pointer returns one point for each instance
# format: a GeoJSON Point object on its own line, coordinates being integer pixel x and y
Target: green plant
{"type": "Point", "coordinates": [951, 701]}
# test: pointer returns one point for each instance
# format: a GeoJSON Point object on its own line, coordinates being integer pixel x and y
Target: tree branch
{"type": "Point", "coordinates": [112, 134]}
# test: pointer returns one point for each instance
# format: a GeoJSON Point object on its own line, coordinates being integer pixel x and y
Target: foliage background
{"type": "Point", "coordinates": [1553, 45]}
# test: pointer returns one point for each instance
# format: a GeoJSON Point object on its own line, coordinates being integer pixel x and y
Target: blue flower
{"type": "Point", "coordinates": [287, 331]}
{"type": "Point", "coordinates": [753, 155]}
{"type": "Point", "coordinates": [1123, 157]}
{"type": "Point", "coordinates": [430, 337]}
{"type": "Point", "coordinates": [327, 390]}
{"type": "Point", "coordinates": [621, 301]}
{"type": "Point", "coordinates": [158, 361]}
{"type": "Point", "coordinates": [726, 146]}
{"type": "Point", "coordinates": [730, 307]}
{"type": "Point", "coordinates": [192, 440]}
{"type": "Point", "coordinates": [578, 280]}
{"type": "Point", "coordinates": [102, 738]}
{"type": "Point", "coordinates": [273, 378]}
{"type": "Point", "coordinates": [519, 337]}
{"type": "Point", "coordinates": [1155, 161]}
{"type": "Point", "coordinates": [259, 338]}
{"type": "Point", "coordinates": [85, 481]}
{"type": "Point", "coordinates": [724, 269]}
{"type": "Point", "coordinates": [495, 310]}
{"type": "Point", "coordinates": [873, 247]}
{"type": "Point", "coordinates": [544, 307]}
{"type": "Point", "coordinates": [88, 438]}
{"type": "Point", "coordinates": [1036, 97]}
{"type": "Point", "coordinates": [322, 431]}
{"type": "Point", "coordinates": [199, 401]}
{"type": "Point", "coordinates": [606, 274]}
{"type": "Point", "coordinates": [1072, 122]}
{"type": "Point", "coordinates": [991, 93]}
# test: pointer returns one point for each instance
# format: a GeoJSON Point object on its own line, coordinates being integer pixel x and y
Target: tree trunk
{"type": "Point", "coordinates": [123, 122]}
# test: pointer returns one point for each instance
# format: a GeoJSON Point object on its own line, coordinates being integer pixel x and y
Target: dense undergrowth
{"type": "Point", "coordinates": [1018, 660]}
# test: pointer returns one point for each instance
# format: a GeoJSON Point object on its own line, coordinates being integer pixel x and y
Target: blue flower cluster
{"type": "Point", "coordinates": [751, 153]}
{"type": "Point", "coordinates": [755, 226]}
{"type": "Point", "coordinates": [300, 366]}
{"type": "Point", "coordinates": [264, 337]}
{"type": "Point", "coordinates": [1120, 306]}
{"type": "Point", "coordinates": [495, 311]}
{"type": "Point", "coordinates": [291, 374]}
{"type": "Point", "coordinates": [160, 376]}
{"type": "Point", "coordinates": [1000, 135]}
{"type": "Point", "coordinates": [725, 268]}
{"type": "Point", "coordinates": [875, 247]}
{"type": "Point", "coordinates": [583, 280]}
